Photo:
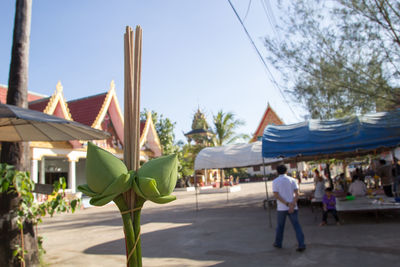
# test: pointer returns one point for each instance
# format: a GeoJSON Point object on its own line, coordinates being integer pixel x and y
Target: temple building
{"type": "Point", "coordinates": [269, 117]}
{"type": "Point", "coordinates": [200, 133]}
{"type": "Point", "coordinates": [202, 136]}
{"type": "Point", "coordinates": [52, 160]}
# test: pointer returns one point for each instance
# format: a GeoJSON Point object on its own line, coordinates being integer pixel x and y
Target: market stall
{"type": "Point", "coordinates": [339, 139]}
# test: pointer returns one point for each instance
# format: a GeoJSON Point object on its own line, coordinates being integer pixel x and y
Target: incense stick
{"type": "Point", "coordinates": [129, 135]}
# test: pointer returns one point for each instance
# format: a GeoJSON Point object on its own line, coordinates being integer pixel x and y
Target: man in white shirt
{"type": "Point", "coordinates": [357, 188]}
{"type": "Point", "coordinates": [286, 192]}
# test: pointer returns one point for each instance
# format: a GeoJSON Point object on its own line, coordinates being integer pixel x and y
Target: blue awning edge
{"type": "Point", "coordinates": [324, 137]}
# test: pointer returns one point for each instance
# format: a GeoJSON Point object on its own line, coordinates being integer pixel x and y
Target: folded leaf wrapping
{"type": "Point", "coordinates": [107, 177]}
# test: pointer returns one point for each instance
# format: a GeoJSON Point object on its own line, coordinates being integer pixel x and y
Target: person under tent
{"type": "Point", "coordinates": [357, 187]}
{"type": "Point", "coordinates": [385, 172]}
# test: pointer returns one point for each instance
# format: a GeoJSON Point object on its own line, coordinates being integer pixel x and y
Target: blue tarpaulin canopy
{"type": "Point", "coordinates": [346, 137]}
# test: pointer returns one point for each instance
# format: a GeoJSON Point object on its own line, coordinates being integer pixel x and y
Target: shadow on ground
{"type": "Point", "coordinates": [238, 234]}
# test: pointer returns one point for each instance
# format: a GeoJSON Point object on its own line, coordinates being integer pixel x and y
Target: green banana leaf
{"type": "Point", "coordinates": [107, 177]}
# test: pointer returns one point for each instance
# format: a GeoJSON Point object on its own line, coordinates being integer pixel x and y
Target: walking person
{"type": "Point", "coordinates": [286, 192]}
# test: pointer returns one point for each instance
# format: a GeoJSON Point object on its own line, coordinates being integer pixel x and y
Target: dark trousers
{"type": "Point", "coordinates": [325, 215]}
{"type": "Point", "coordinates": [388, 190]}
{"type": "Point", "coordinates": [280, 227]}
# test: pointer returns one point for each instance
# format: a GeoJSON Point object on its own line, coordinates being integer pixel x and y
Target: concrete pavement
{"type": "Point", "coordinates": [220, 233]}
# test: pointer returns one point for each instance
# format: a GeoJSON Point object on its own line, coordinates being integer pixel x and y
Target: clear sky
{"type": "Point", "coordinates": [195, 54]}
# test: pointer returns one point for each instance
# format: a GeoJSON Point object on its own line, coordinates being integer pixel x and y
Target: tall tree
{"type": "Point", "coordinates": [16, 153]}
{"type": "Point", "coordinates": [339, 57]}
{"type": "Point", "coordinates": [165, 131]}
{"type": "Point", "coordinates": [224, 128]}
{"type": "Point", "coordinates": [375, 23]}
{"type": "Point", "coordinates": [187, 154]}
{"type": "Point", "coordinates": [12, 153]}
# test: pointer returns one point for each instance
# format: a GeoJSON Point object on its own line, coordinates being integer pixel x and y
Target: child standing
{"type": "Point", "coordinates": [329, 205]}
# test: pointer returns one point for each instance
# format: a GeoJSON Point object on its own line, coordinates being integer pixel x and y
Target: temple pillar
{"type": "Point", "coordinates": [72, 175]}
{"type": "Point", "coordinates": [34, 170]}
{"type": "Point", "coordinates": [42, 171]}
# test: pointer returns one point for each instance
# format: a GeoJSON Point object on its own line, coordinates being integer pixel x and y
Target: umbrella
{"type": "Point", "coordinates": [20, 124]}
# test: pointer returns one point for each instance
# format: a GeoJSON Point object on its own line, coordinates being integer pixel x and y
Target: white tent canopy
{"type": "Point", "coordinates": [231, 156]}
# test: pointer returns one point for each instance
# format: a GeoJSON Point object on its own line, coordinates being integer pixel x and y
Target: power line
{"type": "Point", "coordinates": [268, 5]}
{"type": "Point", "coordinates": [247, 12]}
{"type": "Point", "coordinates": [272, 21]}
{"type": "Point", "coordinates": [270, 17]}
{"type": "Point", "coordinates": [272, 79]}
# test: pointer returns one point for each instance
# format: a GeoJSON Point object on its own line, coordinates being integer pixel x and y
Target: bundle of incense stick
{"type": "Point", "coordinates": [133, 58]}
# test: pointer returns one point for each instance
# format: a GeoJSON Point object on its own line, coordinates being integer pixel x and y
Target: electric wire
{"type": "Point", "coordinates": [268, 5]}
{"type": "Point", "coordinates": [269, 16]}
{"type": "Point", "coordinates": [247, 12]}
{"type": "Point", "coordinates": [272, 21]}
{"type": "Point", "coordinates": [271, 77]}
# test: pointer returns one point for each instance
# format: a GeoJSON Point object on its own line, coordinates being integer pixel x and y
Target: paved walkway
{"type": "Point", "coordinates": [220, 233]}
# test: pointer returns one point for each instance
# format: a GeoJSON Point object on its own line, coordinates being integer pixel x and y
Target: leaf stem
{"type": "Point", "coordinates": [139, 203]}
{"type": "Point", "coordinates": [128, 230]}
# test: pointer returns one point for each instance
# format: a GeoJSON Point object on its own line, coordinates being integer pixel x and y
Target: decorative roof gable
{"type": "Point", "coordinates": [55, 105]}
{"type": "Point", "coordinates": [269, 117]}
{"type": "Point", "coordinates": [91, 110]}
{"type": "Point", "coordinates": [149, 137]}
{"type": "Point", "coordinates": [110, 104]}
{"type": "Point", "coordinates": [99, 111]}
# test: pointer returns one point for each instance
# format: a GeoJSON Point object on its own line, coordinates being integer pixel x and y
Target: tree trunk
{"type": "Point", "coordinates": [16, 153]}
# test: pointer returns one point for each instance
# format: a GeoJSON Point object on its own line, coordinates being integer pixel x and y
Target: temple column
{"type": "Point", "coordinates": [72, 175]}
{"type": "Point", "coordinates": [34, 170]}
{"type": "Point", "coordinates": [42, 171]}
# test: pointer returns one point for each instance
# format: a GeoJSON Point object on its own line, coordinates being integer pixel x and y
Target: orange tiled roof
{"type": "Point", "coordinates": [31, 96]}
{"type": "Point", "coordinates": [85, 110]}
{"type": "Point", "coordinates": [39, 105]}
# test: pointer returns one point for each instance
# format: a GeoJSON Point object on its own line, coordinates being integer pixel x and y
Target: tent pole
{"type": "Point", "coordinates": [195, 189]}
{"type": "Point", "coordinates": [266, 191]}
{"type": "Point", "coordinates": [297, 173]}
{"type": "Point", "coordinates": [227, 193]}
